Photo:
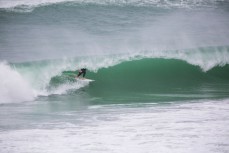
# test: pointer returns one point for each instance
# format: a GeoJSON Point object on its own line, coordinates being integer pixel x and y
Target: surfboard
{"type": "Point", "coordinates": [84, 79]}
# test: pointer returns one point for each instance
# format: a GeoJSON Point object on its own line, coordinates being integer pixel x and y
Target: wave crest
{"type": "Point", "coordinates": [28, 5]}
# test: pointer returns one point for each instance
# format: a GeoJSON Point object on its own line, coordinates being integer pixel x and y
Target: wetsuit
{"type": "Point", "coordinates": [82, 71]}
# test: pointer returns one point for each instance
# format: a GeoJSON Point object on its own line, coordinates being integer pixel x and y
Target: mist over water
{"type": "Point", "coordinates": [11, 93]}
{"type": "Point", "coordinates": [79, 29]}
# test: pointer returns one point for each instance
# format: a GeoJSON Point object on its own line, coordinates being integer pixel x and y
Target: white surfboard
{"type": "Point", "coordinates": [84, 79]}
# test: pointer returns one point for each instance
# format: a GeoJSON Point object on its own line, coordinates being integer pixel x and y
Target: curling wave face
{"type": "Point", "coordinates": [125, 74]}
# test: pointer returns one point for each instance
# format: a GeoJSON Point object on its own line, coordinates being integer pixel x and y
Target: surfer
{"type": "Point", "coordinates": [82, 71]}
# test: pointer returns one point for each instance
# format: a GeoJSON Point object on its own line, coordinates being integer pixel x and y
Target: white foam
{"type": "Point", "coordinates": [65, 87]}
{"type": "Point", "coordinates": [32, 3]}
{"type": "Point", "coordinates": [198, 58]}
{"type": "Point", "coordinates": [160, 3]}
{"type": "Point", "coordinates": [13, 87]}
{"type": "Point", "coordinates": [182, 128]}
{"type": "Point", "coordinates": [206, 59]}
{"type": "Point", "coordinates": [38, 75]}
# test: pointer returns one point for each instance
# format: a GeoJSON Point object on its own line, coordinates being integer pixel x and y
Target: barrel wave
{"type": "Point", "coordinates": [151, 78]}
{"type": "Point", "coordinates": [137, 76]}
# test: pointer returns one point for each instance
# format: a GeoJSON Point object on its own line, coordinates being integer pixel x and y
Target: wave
{"type": "Point", "coordinates": [28, 6]}
{"type": "Point", "coordinates": [135, 72]}
{"type": "Point", "coordinates": [158, 79]}
{"type": "Point", "coordinates": [94, 30]}
{"type": "Point", "coordinates": [158, 71]}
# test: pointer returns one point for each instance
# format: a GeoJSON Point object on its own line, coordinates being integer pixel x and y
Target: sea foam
{"type": "Point", "coordinates": [13, 87]}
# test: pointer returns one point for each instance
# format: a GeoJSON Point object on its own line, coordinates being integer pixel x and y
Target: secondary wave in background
{"type": "Point", "coordinates": [69, 30]}
{"type": "Point", "coordinates": [26, 4]}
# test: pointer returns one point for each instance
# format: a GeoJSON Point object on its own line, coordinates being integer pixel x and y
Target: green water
{"type": "Point", "coordinates": [151, 80]}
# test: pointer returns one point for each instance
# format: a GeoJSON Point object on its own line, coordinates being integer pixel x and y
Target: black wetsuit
{"type": "Point", "coordinates": [82, 71]}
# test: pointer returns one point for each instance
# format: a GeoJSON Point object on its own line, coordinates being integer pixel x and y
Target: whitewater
{"type": "Point", "coordinates": [161, 71]}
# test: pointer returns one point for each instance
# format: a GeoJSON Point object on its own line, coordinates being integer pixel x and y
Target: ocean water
{"type": "Point", "coordinates": [161, 71]}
